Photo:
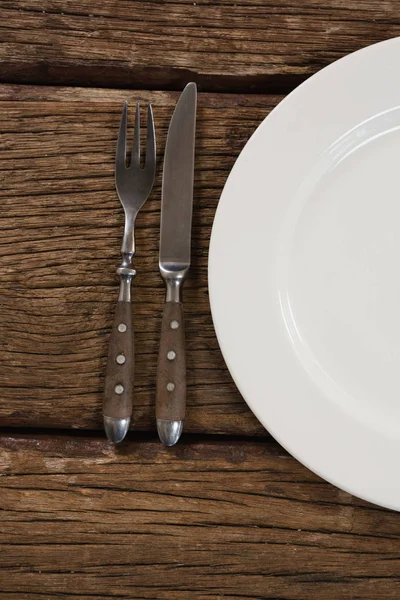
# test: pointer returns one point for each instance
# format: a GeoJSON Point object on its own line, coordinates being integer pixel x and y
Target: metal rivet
{"type": "Point", "coordinates": [120, 359]}
{"type": "Point", "coordinates": [170, 387]}
{"type": "Point", "coordinates": [174, 324]}
{"type": "Point", "coordinates": [119, 389]}
{"type": "Point", "coordinates": [171, 355]}
{"type": "Point", "coordinates": [122, 327]}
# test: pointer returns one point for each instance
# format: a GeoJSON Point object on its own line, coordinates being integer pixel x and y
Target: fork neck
{"type": "Point", "coordinates": [128, 242]}
{"type": "Point", "coordinates": [126, 273]}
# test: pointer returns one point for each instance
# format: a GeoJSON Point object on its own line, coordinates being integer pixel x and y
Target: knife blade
{"type": "Point", "coordinates": [174, 263]}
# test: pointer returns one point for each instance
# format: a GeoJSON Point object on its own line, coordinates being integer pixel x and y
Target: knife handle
{"type": "Point", "coordinates": [171, 370]}
{"type": "Point", "coordinates": [119, 373]}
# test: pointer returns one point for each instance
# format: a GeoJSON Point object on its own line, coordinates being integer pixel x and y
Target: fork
{"type": "Point", "coordinates": [133, 184]}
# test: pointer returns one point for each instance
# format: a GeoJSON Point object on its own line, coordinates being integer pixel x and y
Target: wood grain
{"type": "Point", "coordinates": [62, 228]}
{"type": "Point", "coordinates": [246, 45]}
{"type": "Point", "coordinates": [205, 521]}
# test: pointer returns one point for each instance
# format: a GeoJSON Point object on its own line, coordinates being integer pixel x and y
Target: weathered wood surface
{"type": "Point", "coordinates": [80, 518]}
{"type": "Point", "coordinates": [207, 520]}
{"type": "Point", "coordinates": [62, 226]}
{"type": "Point", "coordinates": [258, 45]}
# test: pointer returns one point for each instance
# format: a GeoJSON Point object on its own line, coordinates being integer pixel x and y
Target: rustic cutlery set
{"type": "Point", "coordinates": [134, 184]}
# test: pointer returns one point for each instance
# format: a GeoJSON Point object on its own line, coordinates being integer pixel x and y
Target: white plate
{"type": "Point", "coordinates": [305, 273]}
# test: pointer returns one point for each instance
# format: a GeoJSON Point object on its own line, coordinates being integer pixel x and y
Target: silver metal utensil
{"type": "Point", "coordinates": [175, 238]}
{"type": "Point", "coordinates": [133, 184]}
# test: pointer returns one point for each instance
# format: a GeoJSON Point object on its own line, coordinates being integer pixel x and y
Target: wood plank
{"type": "Point", "coordinates": [258, 45]}
{"type": "Point", "coordinates": [61, 233]}
{"type": "Point", "coordinates": [207, 520]}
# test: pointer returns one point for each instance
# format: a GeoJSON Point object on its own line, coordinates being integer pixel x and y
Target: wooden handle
{"type": "Point", "coordinates": [171, 372]}
{"type": "Point", "coordinates": [119, 374]}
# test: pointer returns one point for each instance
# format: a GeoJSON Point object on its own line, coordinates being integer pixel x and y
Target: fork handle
{"type": "Point", "coordinates": [119, 372]}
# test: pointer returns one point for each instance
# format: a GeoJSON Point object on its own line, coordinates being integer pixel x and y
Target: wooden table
{"type": "Point", "coordinates": [227, 513]}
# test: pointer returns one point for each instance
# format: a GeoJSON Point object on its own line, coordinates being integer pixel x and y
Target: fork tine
{"type": "Point", "coordinates": [136, 138]}
{"type": "Point", "coordinates": [151, 140]}
{"type": "Point", "coordinates": [120, 158]}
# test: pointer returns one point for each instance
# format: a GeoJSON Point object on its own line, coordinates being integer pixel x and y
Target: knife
{"type": "Point", "coordinates": [174, 263]}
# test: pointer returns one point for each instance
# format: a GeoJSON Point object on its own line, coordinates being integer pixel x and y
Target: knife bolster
{"type": "Point", "coordinates": [174, 280]}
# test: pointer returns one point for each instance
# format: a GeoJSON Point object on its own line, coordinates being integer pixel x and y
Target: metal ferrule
{"type": "Point", "coordinates": [116, 429]}
{"type": "Point", "coordinates": [169, 432]}
{"type": "Point", "coordinates": [126, 273]}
